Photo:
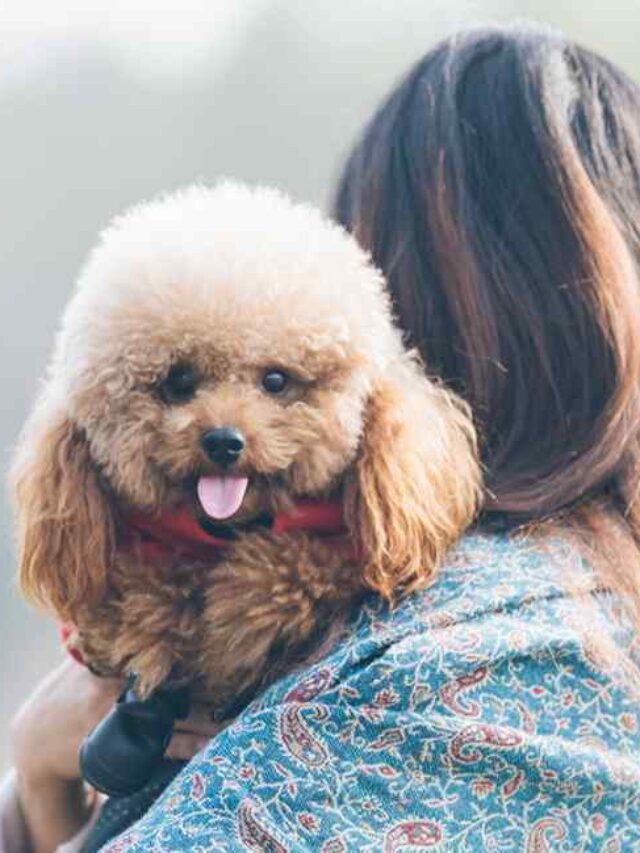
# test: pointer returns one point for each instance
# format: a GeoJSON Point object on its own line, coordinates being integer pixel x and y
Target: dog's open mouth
{"type": "Point", "coordinates": [221, 495]}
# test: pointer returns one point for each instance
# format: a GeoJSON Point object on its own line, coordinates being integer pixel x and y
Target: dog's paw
{"type": "Point", "coordinates": [148, 626]}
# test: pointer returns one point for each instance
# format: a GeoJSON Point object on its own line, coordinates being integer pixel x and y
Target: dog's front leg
{"type": "Point", "coordinates": [148, 625]}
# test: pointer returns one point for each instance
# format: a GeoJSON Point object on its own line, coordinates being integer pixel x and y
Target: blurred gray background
{"type": "Point", "coordinates": [103, 103]}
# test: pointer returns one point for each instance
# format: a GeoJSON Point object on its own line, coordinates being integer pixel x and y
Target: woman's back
{"type": "Point", "coordinates": [491, 711]}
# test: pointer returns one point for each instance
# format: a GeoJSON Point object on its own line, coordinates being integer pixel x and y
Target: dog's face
{"type": "Point", "coordinates": [231, 350]}
{"type": "Point", "coordinates": [227, 407]}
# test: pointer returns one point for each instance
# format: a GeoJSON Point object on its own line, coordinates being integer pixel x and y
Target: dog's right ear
{"type": "Point", "coordinates": [65, 523]}
{"type": "Point", "coordinates": [416, 484]}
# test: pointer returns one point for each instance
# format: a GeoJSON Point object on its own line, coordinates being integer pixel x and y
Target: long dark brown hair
{"type": "Point", "coordinates": [498, 189]}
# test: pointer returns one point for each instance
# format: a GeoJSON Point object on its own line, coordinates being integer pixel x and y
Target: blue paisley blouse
{"type": "Point", "coordinates": [492, 711]}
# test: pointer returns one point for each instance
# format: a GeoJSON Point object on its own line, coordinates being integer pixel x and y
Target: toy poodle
{"type": "Point", "coordinates": [229, 358]}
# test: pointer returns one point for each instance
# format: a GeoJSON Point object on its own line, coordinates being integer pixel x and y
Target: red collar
{"type": "Point", "coordinates": [167, 533]}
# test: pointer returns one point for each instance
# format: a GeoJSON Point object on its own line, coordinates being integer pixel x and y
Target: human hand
{"type": "Point", "coordinates": [50, 726]}
{"type": "Point", "coordinates": [46, 736]}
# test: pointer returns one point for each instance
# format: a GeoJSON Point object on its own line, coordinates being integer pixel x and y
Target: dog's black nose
{"type": "Point", "coordinates": [223, 445]}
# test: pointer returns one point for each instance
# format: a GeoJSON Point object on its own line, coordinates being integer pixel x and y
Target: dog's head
{"type": "Point", "coordinates": [232, 350]}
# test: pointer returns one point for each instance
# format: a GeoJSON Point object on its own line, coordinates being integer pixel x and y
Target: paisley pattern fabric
{"type": "Point", "coordinates": [492, 711]}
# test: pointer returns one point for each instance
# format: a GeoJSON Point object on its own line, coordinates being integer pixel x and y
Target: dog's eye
{"type": "Point", "coordinates": [275, 381]}
{"type": "Point", "coordinates": [179, 385]}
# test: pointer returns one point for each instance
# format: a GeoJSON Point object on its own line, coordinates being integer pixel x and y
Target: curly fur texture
{"type": "Point", "coordinates": [232, 281]}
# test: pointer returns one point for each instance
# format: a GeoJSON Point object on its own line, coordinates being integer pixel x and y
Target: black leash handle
{"type": "Point", "coordinates": [122, 752]}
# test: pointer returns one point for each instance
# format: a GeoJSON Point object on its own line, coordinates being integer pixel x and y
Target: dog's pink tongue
{"type": "Point", "coordinates": [221, 497]}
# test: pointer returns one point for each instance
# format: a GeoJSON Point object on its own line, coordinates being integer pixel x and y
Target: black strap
{"type": "Point", "coordinates": [119, 813]}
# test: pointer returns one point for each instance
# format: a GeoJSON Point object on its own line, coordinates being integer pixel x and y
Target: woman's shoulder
{"type": "Point", "coordinates": [504, 568]}
{"type": "Point", "coordinates": [496, 581]}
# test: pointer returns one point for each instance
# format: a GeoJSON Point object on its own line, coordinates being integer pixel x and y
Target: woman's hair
{"type": "Point", "coordinates": [498, 189]}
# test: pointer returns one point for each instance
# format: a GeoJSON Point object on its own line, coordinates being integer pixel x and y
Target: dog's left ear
{"type": "Point", "coordinates": [415, 486]}
{"type": "Point", "coordinates": [65, 520]}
